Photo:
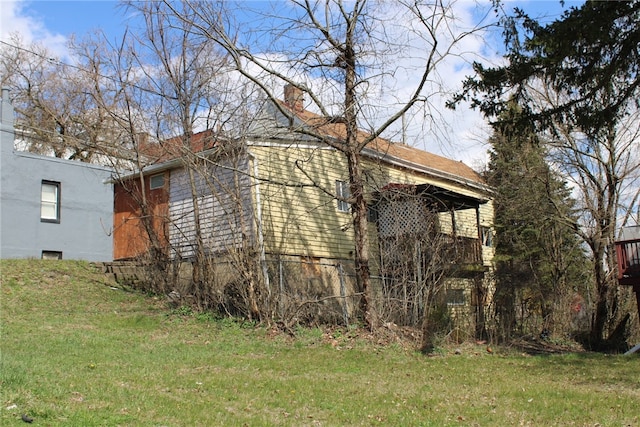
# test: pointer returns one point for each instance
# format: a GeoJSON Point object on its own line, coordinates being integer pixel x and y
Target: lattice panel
{"type": "Point", "coordinates": [403, 217]}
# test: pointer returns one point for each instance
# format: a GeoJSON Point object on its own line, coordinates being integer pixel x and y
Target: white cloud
{"type": "Point", "coordinates": [14, 20]}
{"type": "Point", "coordinates": [459, 134]}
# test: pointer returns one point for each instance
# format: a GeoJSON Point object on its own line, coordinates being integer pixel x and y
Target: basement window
{"type": "Point", "coordinates": [455, 296]}
{"type": "Point", "coordinates": [51, 255]}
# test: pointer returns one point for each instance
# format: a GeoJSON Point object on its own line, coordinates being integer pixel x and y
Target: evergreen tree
{"type": "Point", "coordinates": [577, 80]}
{"type": "Point", "coordinates": [537, 253]}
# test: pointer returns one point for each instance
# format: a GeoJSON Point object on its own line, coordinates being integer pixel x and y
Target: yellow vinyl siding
{"type": "Point", "coordinates": [301, 219]}
{"type": "Point", "coordinates": [486, 220]}
{"type": "Point", "coordinates": [466, 223]}
{"type": "Point", "coordinates": [299, 215]}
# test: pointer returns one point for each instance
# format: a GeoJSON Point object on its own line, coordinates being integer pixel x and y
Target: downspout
{"type": "Point", "coordinates": [479, 226]}
{"type": "Point", "coordinates": [263, 255]}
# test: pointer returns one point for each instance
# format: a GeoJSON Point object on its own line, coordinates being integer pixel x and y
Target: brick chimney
{"type": "Point", "coordinates": [293, 98]}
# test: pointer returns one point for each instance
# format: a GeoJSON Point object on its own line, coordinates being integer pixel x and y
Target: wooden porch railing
{"type": "Point", "coordinates": [463, 250]}
{"type": "Point", "coordinates": [628, 254]}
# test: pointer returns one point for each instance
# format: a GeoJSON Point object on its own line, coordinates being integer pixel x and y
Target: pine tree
{"type": "Point", "coordinates": [577, 80]}
{"type": "Point", "coordinates": [537, 253]}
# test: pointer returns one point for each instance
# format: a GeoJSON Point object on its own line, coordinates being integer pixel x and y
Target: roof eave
{"type": "Point", "coordinates": [472, 185]}
{"type": "Point", "coordinates": [160, 167]}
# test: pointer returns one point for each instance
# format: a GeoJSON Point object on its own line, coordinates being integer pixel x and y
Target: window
{"type": "Point", "coordinates": [342, 192]}
{"type": "Point", "coordinates": [50, 202]}
{"type": "Point", "coordinates": [487, 236]}
{"type": "Point", "coordinates": [156, 181]}
{"type": "Point", "coordinates": [51, 255]}
{"type": "Point", "coordinates": [372, 213]}
{"type": "Point", "coordinates": [455, 296]}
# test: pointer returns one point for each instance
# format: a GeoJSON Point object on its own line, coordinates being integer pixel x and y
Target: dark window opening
{"type": "Point", "coordinates": [156, 181]}
{"type": "Point", "coordinates": [342, 193]}
{"type": "Point", "coordinates": [455, 296]}
{"type": "Point", "coordinates": [51, 255]}
{"type": "Point", "coordinates": [487, 236]}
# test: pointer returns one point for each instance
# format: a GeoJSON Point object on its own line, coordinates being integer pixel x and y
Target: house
{"type": "Point", "coordinates": [283, 194]}
{"type": "Point", "coordinates": [50, 207]}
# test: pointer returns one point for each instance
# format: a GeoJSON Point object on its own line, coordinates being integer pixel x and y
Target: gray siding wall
{"type": "Point", "coordinates": [224, 203]}
{"type": "Point", "coordinates": [86, 204]}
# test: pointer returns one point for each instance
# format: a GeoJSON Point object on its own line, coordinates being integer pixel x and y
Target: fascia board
{"type": "Point", "coordinates": [161, 167]}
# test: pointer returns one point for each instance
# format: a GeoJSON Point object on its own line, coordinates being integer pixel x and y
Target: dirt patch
{"type": "Point", "coordinates": [541, 347]}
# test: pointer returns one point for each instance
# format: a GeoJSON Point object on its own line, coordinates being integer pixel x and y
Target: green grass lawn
{"type": "Point", "coordinates": [77, 352]}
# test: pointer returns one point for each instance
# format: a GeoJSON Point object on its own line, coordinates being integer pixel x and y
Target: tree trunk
{"type": "Point", "coordinates": [601, 312]}
{"type": "Point", "coordinates": [198, 264]}
{"type": "Point", "coordinates": [361, 259]}
{"type": "Point", "coordinates": [481, 292]}
{"type": "Point", "coordinates": [353, 152]}
{"type": "Point", "coordinates": [606, 298]}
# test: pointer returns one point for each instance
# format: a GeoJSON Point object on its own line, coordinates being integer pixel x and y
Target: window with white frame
{"type": "Point", "coordinates": [455, 296]}
{"type": "Point", "coordinates": [50, 201]}
{"type": "Point", "coordinates": [342, 193]}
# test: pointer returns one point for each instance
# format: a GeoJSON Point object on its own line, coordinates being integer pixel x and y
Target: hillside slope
{"type": "Point", "coordinates": [78, 351]}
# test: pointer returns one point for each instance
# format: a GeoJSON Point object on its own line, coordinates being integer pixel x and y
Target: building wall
{"type": "Point", "coordinates": [299, 218]}
{"type": "Point", "coordinates": [130, 238]}
{"type": "Point", "coordinates": [302, 219]}
{"type": "Point", "coordinates": [85, 207]}
{"type": "Point", "coordinates": [225, 209]}
{"type": "Point", "coordinates": [224, 199]}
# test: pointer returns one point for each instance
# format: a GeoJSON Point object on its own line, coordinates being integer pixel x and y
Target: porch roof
{"type": "Point", "coordinates": [439, 198]}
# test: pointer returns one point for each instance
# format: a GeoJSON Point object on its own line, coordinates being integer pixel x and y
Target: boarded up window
{"type": "Point", "coordinates": [311, 266]}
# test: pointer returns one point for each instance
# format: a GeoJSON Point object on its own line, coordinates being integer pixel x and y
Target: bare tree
{"type": "Point", "coordinates": [336, 53]}
{"type": "Point", "coordinates": [605, 171]}
{"type": "Point", "coordinates": [181, 83]}
{"type": "Point", "coordinates": [178, 73]}
{"type": "Point", "coordinates": [56, 110]}
{"type": "Point", "coordinates": [581, 87]}
{"type": "Point", "coordinates": [421, 253]}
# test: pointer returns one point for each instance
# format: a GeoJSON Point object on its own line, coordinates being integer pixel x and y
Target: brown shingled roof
{"type": "Point", "coordinates": [388, 149]}
{"type": "Point", "coordinates": [173, 148]}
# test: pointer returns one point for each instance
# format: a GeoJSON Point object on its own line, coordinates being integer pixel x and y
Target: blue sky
{"type": "Point", "coordinates": [66, 17]}
{"type": "Point", "coordinates": [79, 17]}
{"type": "Point", "coordinates": [52, 22]}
